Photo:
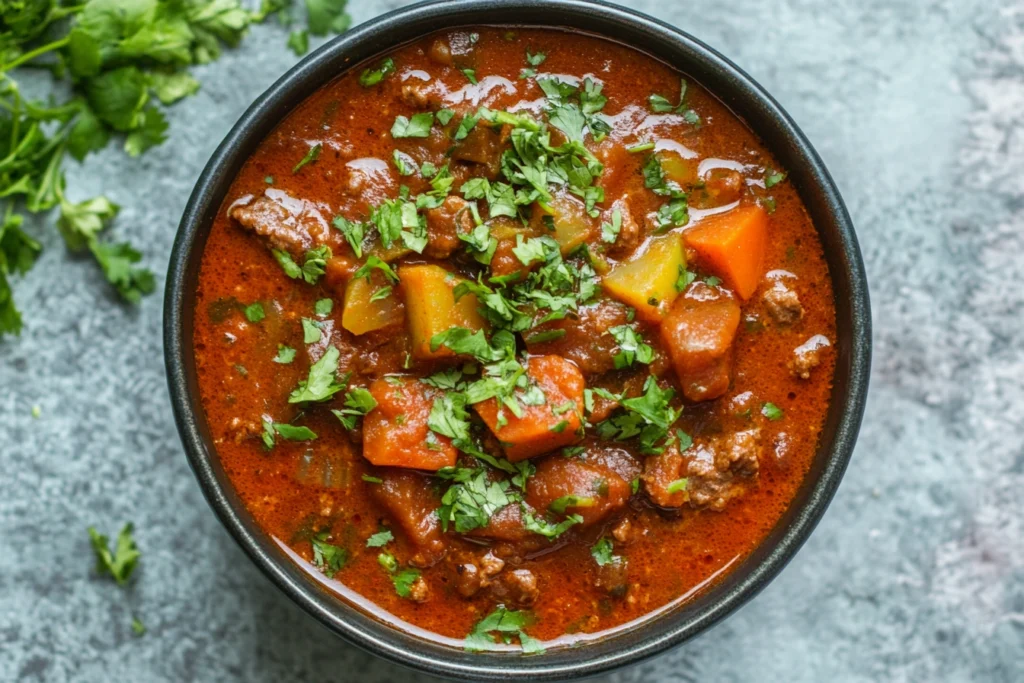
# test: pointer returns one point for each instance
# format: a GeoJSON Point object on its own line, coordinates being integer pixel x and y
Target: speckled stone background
{"type": "Point", "coordinates": [916, 572]}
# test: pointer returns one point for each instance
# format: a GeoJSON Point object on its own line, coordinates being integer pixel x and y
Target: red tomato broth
{"type": "Point", "coordinates": [292, 495]}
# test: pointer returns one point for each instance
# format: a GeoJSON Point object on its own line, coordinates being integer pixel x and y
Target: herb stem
{"type": "Point", "coordinates": [41, 50]}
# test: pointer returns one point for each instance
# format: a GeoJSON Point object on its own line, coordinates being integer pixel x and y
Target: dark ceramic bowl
{"type": "Point", "coordinates": [751, 103]}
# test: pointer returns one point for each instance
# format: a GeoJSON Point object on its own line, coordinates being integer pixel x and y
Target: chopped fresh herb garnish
{"type": "Point", "coordinates": [712, 281]}
{"type": "Point", "coordinates": [298, 41]}
{"type": "Point", "coordinates": [470, 74]}
{"type": "Point", "coordinates": [603, 551]}
{"type": "Point", "coordinates": [404, 580]}
{"type": "Point", "coordinates": [405, 164]}
{"type": "Point", "coordinates": [773, 177]}
{"type": "Point", "coordinates": [559, 505]}
{"type": "Point", "coordinates": [120, 563]}
{"type": "Point", "coordinates": [772, 411]}
{"type": "Point", "coordinates": [380, 294]}
{"type": "Point", "coordinates": [545, 336]}
{"type": "Point", "coordinates": [311, 156]}
{"type": "Point", "coordinates": [321, 383]}
{"type": "Point", "coordinates": [472, 501]}
{"type": "Point", "coordinates": [314, 266]}
{"type": "Point", "coordinates": [371, 77]}
{"type": "Point", "coordinates": [661, 105]}
{"type": "Point", "coordinates": [254, 312]}
{"type": "Point", "coordinates": [354, 233]}
{"type": "Point", "coordinates": [328, 558]}
{"type": "Point", "coordinates": [541, 526]}
{"type": "Point", "coordinates": [560, 427]}
{"type": "Point", "coordinates": [310, 331]}
{"type": "Point", "coordinates": [323, 307]}
{"type": "Point", "coordinates": [285, 431]}
{"type": "Point", "coordinates": [610, 231]}
{"type": "Point", "coordinates": [685, 279]}
{"type": "Point", "coordinates": [506, 623]}
{"type": "Point", "coordinates": [631, 347]}
{"type": "Point", "coordinates": [358, 402]}
{"type": "Point", "coordinates": [642, 147]}
{"type": "Point", "coordinates": [684, 439]}
{"type": "Point", "coordinates": [380, 539]}
{"type": "Point", "coordinates": [534, 60]}
{"type": "Point", "coordinates": [416, 127]}
{"type": "Point", "coordinates": [678, 485]}
{"type": "Point", "coordinates": [443, 117]}
{"type": "Point", "coordinates": [370, 479]}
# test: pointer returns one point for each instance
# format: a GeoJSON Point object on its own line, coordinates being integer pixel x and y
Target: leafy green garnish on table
{"type": "Point", "coordinates": [119, 563]}
{"type": "Point", "coordinates": [120, 63]}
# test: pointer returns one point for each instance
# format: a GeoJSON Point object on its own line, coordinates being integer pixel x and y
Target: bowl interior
{"type": "Point", "coordinates": [748, 101]}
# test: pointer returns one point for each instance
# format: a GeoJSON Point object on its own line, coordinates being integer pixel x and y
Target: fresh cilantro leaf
{"type": "Point", "coordinates": [470, 504]}
{"type": "Point", "coordinates": [559, 505]}
{"type": "Point", "coordinates": [354, 233]}
{"type": "Point", "coordinates": [631, 347]}
{"type": "Point", "coordinates": [120, 563]}
{"type": "Point", "coordinates": [311, 156]}
{"type": "Point", "coordinates": [541, 526]}
{"type": "Point", "coordinates": [444, 116]}
{"type": "Point", "coordinates": [375, 263]}
{"type": "Point", "coordinates": [506, 623]}
{"type": "Point", "coordinates": [358, 402]}
{"type": "Point", "coordinates": [371, 77]}
{"type": "Point", "coordinates": [327, 16]}
{"type": "Point", "coordinates": [328, 558]}
{"type": "Point", "coordinates": [772, 411]}
{"type": "Point", "coordinates": [380, 539]}
{"type": "Point", "coordinates": [467, 124]}
{"type": "Point", "coordinates": [370, 479]}
{"type": "Point", "coordinates": [449, 417]}
{"type": "Point", "coordinates": [773, 177]}
{"type": "Point", "coordinates": [254, 312]}
{"type": "Point", "coordinates": [661, 105]}
{"type": "Point", "coordinates": [603, 551]}
{"type": "Point", "coordinates": [404, 580]}
{"type": "Point", "coordinates": [381, 294]}
{"type": "Point", "coordinates": [311, 333]}
{"type": "Point", "coordinates": [470, 74]}
{"type": "Point", "coordinates": [298, 42]}
{"type": "Point", "coordinates": [323, 307]}
{"type": "Point", "coordinates": [678, 485]}
{"type": "Point", "coordinates": [610, 231]}
{"type": "Point", "coordinates": [416, 127]}
{"type": "Point", "coordinates": [321, 383]}
{"type": "Point", "coordinates": [285, 354]}
{"type": "Point", "coordinates": [405, 164]}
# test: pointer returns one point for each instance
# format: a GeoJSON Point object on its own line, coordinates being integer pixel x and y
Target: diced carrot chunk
{"type": "Point", "coordinates": [585, 489]}
{"type": "Point", "coordinates": [732, 245]}
{"type": "Point", "coordinates": [396, 434]}
{"type": "Point", "coordinates": [541, 428]}
{"type": "Point", "coordinates": [698, 332]}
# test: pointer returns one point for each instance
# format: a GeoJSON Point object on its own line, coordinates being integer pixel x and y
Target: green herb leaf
{"type": "Point", "coordinates": [603, 551]}
{"type": "Point", "coordinates": [120, 563]}
{"type": "Point", "coordinates": [506, 623]}
{"type": "Point", "coordinates": [371, 77]}
{"type": "Point", "coordinates": [254, 312]}
{"type": "Point", "coordinates": [772, 411]}
{"type": "Point", "coordinates": [416, 127]}
{"type": "Point", "coordinates": [328, 558]}
{"type": "Point", "coordinates": [285, 355]}
{"type": "Point", "coordinates": [380, 539]}
{"type": "Point", "coordinates": [311, 156]}
{"type": "Point", "coordinates": [321, 383]}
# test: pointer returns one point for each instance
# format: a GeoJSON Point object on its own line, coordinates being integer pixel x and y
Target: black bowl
{"type": "Point", "coordinates": [751, 103]}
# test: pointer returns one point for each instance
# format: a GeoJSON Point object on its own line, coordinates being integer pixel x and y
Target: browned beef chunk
{"type": "Point", "coordinates": [706, 475]}
{"type": "Point", "coordinates": [473, 573]}
{"type": "Point", "coordinates": [716, 475]}
{"type": "Point", "coordinates": [612, 577]}
{"type": "Point", "coordinates": [586, 341]}
{"type": "Point", "coordinates": [721, 186]}
{"type": "Point", "coordinates": [807, 356]}
{"type": "Point", "coordinates": [410, 500]}
{"type": "Point", "coordinates": [444, 225]}
{"type": "Point", "coordinates": [483, 146]}
{"type": "Point", "coordinates": [595, 489]}
{"type": "Point", "coordinates": [517, 587]}
{"type": "Point", "coordinates": [420, 94]}
{"type": "Point", "coordinates": [289, 224]}
{"type": "Point", "coordinates": [783, 304]}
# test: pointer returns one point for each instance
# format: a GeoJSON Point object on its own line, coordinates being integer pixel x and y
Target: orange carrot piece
{"type": "Point", "coordinates": [395, 433]}
{"type": "Point", "coordinates": [545, 427]}
{"type": "Point", "coordinates": [732, 245]}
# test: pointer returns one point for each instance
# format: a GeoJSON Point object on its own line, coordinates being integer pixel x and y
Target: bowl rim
{"type": "Point", "coordinates": [738, 91]}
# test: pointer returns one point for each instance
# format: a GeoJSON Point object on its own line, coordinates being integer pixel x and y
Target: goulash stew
{"type": "Point", "coordinates": [513, 337]}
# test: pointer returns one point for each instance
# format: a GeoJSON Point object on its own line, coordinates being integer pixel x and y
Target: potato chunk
{"type": "Point", "coordinates": [698, 332]}
{"type": "Point", "coordinates": [396, 434]}
{"type": "Point", "coordinates": [431, 308]}
{"type": "Point", "coordinates": [545, 427]}
{"type": "Point", "coordinates": [647, 281]}
{"type": "Point", "coordinates": [572, 225]}
{"type": "Point", "coordinates": [361, 314]}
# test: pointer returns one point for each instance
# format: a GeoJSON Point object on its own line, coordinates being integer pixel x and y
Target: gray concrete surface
{"type": "Point", "coordinates": [916, 572]}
